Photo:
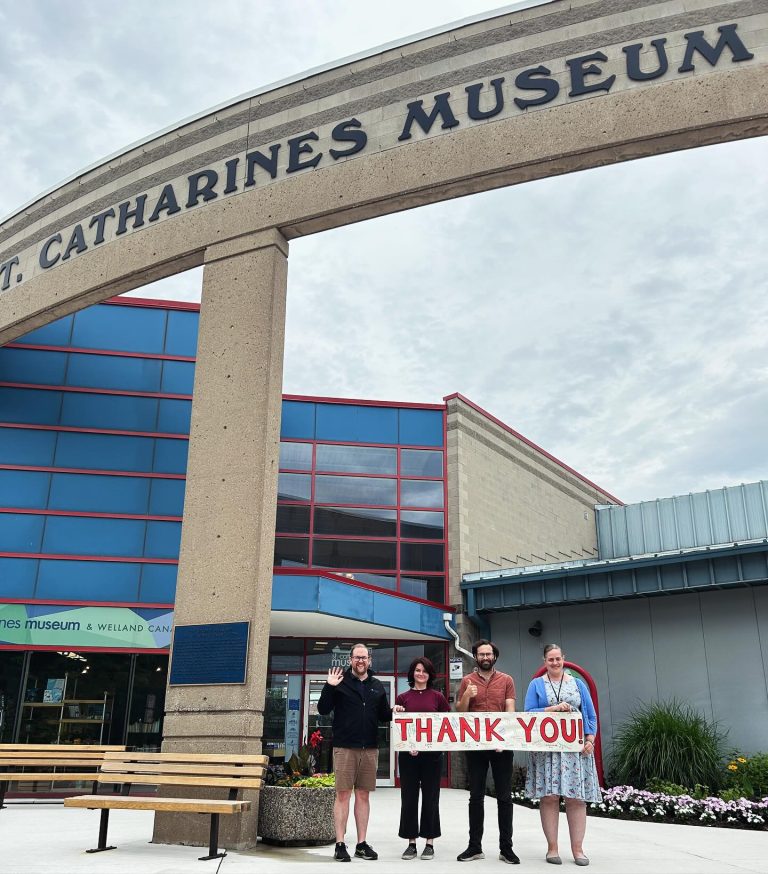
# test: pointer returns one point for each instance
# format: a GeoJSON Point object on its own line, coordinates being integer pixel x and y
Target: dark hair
{"type": "Point", "coordinates": [428, 667]}
{"type": "Point", "coordinates": [478, 643]}
{"type": "Point", "coordinates": [551, 646]}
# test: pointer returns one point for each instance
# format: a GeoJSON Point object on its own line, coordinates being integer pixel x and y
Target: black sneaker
{"type": "Point", "coordinates": [509, 856]}
{"type": "Point", "coordinates": [410, 852]}
{"type": "Point", "coordinates": [366, 851]}
{"type": "Point", "coordinates": [340, 854]}
{"type": "Point", "coordinates": [470, 854]}
{"type": "Point", "coordinates": [428, 852]}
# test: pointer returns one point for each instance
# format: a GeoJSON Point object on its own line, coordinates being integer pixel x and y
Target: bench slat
{"type": "Point", "coordinates": [179, 780]}
{"type": "Point", "coordinates": [56, 749]}
{"type": "Point", "coordinates": [192, 768]}
{"type": "Point", "coordinates": [232, 758]}
{"type": "Point", "coordinates": [34, 762]}
{"type": "Point", "coordinates": [46, 777]}
{"type": "Point", "coordinates": [189, 805]}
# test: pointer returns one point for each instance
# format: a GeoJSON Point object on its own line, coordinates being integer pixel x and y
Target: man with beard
{"type": "Point", "coordinates": [359, 703]}
{"type": "Point", "coordinates": [487, 689]}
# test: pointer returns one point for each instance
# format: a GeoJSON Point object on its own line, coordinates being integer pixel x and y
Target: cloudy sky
{"type": "Point", "coordinates": [616, 317]}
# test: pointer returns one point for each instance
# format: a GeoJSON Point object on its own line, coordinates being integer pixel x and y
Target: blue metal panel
{"type": "Point", "coordinates": [88, 580]}
{"type": "Point", "coordinates": [92, 493]}
{"type": "Point", "coordinates": [356, 424]}
{"type": "Point", "coordinates": [104, 452]}
{"type": "Point", "coordinates": [81, 536]}
{"type": "Point", "coordinates": [181, 338]}
{"type": "Point", "coordinates": [132, 329]}
{"type": "Point", "coordinates": [178, 377]}
{"type": "Point", "coordinates": [421, 427]}
{"type": "Point", "coordinates": [337, 599]}
{"type": "Point", "coordinates": [33, 406]}
{"type": "Point", "coordinates": [54, 334]}
{"type": "Point", "coordinates": [17, 577]}
{"type": "Point", "coordinates": [174, 417]}
{"type": "Point", "coordinates": [166, 497]}
{"type": "Point", "coordinates": [29, 365]}
{"type": "Point", "coordinates": [21, 532]}
{"type": "Point", "coordinates": [396, 612]}
{"type": "Point", "coordinates": [296, 593]}
{"type": "Point", "coordinates": [109, 411]}
{"type": "Point", "coordinates": [26, 446]}
{"type": "Point", "coordinates": [22, 488]}
{"type": "Point", "coordinates": [158, 583]}
{"type": "Point", "coordinates": [170, 456]}
{"type": "Point", "coordinates": [298, 420]}
{"type": "Point", "coordinates": [163, 540]}
{"type": "Point", "coordinates": [109, 371]}
{"type": "Point", "coordinates": [727, 515]}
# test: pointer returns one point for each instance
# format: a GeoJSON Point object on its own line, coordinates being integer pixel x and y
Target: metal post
{"type": "Point", "coordinates": [213, 842]}
{"type": "Point", "coordinates": [103, 826]}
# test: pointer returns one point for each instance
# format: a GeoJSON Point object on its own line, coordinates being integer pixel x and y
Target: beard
{"type": "Point", "coordinates": [486, 664]}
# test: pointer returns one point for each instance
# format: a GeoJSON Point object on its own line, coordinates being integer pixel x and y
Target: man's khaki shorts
{"type": "Point", "coordinates": [355, 769]}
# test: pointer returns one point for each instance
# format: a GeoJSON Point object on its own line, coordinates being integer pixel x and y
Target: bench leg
{"type": "Point", "coordinates": [213, 843]}
{"type": "Point", "coordinates": [3, 790]}
{"type": "Point", "coordinates": [103, 826]}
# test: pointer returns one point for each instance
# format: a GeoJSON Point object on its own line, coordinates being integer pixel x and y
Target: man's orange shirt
{"type": "Point", "coordinates": [492, 694]}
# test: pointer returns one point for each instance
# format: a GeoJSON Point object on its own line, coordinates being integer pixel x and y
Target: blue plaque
{"type": "Point", "coordinates": [209, 655]}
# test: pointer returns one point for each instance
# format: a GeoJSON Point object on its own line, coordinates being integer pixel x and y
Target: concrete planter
{"type": "Point", "coordinates": [291, 817]}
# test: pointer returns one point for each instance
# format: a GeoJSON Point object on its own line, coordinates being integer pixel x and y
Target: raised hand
{"type": "Point", "coordinates": [335, 676]}
{"type": "Point", "coordinates": [472, 690]}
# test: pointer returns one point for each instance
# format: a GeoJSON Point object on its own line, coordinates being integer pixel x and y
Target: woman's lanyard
{"type": "Point", "coordinates": [559, 688]}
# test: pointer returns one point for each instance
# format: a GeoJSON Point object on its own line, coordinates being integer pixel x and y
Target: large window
{"type": "Point", "coordinates": [372, 512]}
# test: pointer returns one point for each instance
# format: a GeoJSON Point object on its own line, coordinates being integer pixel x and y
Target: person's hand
{"type": "Point", "coordinates": [398, 708]}
{"type": "Point", "coordinates": [561, 707]}
{"type": "Point", "coordinates": [335, 676]}
{"type": "Point", "coordinates": [414, 752]}
{"type": "Point", "coordinates": [589, 747]}
{"type": "Point", "coordinates": [471, 690]}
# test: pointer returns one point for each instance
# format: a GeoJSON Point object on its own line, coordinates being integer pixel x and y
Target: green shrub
{"type": "Point", "coordinates": [667, 788]}
{"type": "Point", "coordinates": [731, 795]}
{"type": "Point", "coordinates": [671, 742]}
{"type": "Point", "coordinates": [748, 775]}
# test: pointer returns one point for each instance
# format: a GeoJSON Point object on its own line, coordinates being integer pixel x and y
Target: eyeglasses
{"type": "Point", "coordinates": [485, 655]}
{"type": "Point", "coordinates": [359, 658]}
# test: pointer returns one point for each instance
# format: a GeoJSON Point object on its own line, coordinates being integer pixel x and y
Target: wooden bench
{"type": "Point", "coordinates": [228, 771]}
{"type": "Point", "coordinates": [46, 760]}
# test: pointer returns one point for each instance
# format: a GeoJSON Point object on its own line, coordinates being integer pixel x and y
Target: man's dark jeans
{"type": "Point", "coordinates": [501, 768]}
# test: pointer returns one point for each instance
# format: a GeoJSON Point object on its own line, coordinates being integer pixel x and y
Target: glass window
{"type": "Point", "coordinates": [181, 335]}
{"type": "Point", "coordinates": [354, 554]}
{"type": "Point", "coordinates": [421, 427]}
{"type": "Point", "coordinates": [407, 652]}
{"type": "Point", "coordinates": [292, 520]}
{"type": "Point", "coordinates": [356, 459]}
{"type": "Point", "coordinates": [428, 588]}
{"type": "Point", "coordinates": [275, 714]}
{"type": "Point", "coordinates": [325, 654]}
{"type": "Point", "coordinates": [298, 420]}
{"type": "Point", "coordinates": [11, 666]}
{"type": "Point", "coordinates": [383, 657]}
{"type": "Point", "coordinates": [421, 462]}
{"type": "Point", "coordinates": [294, 487]}
{"type": "Point", "coordinates": [383, 581]}
{"type": "Point", "coordinates": [286, 654]}
{"type": "Point", "coordinates": [422, 556]}
{"type": "Point", "coordinates": [358, 424]}
{"type": "Point", "coordinates": [295, 456]}
{"type": "Point", "coordinates": [133, 329]}
{"type": "Point", "coordinates": [421, 493]}
{"type": "Point", "coordinates": [291, 552]}
{"type": "Point", "coordinates": [355, 521]}
{"type": "Point", "coordinates": [421, 525]}
{"type": "Point", "coordinates": [145, 719]}
{"type": "Point", "coordinates": [355, 490]}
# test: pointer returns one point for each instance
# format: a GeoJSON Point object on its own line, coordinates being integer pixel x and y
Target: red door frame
{"type": "Point", "coordinates": [593, 692]}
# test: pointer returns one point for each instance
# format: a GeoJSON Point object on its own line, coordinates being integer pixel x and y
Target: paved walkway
{"type": "Point", "coordinates": [47, 839]}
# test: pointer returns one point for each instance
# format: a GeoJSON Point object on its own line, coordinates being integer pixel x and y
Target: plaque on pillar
{"type": "Point", "coordinates": [209, 655]}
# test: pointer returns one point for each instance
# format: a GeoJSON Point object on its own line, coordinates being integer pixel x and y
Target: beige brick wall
{"type": "Point", "coordinates": [508, 503]}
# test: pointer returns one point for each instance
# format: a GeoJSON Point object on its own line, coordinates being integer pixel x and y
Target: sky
{"type": "Point", "coordinates": [616, 316]}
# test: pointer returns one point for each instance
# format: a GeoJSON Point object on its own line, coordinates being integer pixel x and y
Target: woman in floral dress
{"type": "Point", "coordinates": [570, 775]}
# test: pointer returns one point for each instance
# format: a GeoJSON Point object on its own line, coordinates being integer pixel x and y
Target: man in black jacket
{"type": "Point", "coordinates": [359, 703]}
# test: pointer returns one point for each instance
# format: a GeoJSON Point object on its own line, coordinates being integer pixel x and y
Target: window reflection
{"type": "Point", "coordinates": [295, 456]}
{"type": "Point", "coordinates": [292, 519]}
{"type": "Point", "coordinates": [419, 462]}
{"type": "Point", "coordinates": [356, 459]}
{"type": "Point", "coordinates": [421, 493]}
{"type": "Point", "coordinates": [355, 520]}
{"type": "Point", "coordinates": [355, 490]}
{"type": "Point", "coordinates": [421, 525]}
{"type": "Point", "coordinates": [294, 487]}
{"type": "Point", "coordinates": [291, 552]}
{"type": "Point", "coordinates": [355, 554]}
{"type": "Point", "coordinates": [430, 588]}
{"type": "Point", "coordinates": [422, 556]}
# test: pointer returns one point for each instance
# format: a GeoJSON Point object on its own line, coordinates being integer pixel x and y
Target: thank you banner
{"type": "Point", "coordinates": [535, 732]}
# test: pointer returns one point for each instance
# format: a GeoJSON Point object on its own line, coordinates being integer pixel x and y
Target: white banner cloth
{"type": "Point", "coordinates": [539, 732]}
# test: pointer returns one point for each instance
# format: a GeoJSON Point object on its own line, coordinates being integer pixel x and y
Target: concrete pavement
{"type": "Point", "coordinates": [47, 839]}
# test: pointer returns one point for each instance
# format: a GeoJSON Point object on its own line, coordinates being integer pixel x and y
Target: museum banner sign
{"type": "Point", "coordinates": [72, 627]}
{"type": "Point", "coordinates": [451, 732]}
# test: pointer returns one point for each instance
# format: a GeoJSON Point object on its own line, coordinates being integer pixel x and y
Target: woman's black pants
{"type": "Point", "coordinates": [420, 772]}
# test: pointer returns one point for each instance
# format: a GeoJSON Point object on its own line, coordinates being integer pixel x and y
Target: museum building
{"type": "Point", "coordinates": [382, 508]}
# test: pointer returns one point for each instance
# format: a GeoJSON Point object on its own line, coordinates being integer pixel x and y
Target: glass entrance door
{"type": "Point", "coordinates": [313, 721]}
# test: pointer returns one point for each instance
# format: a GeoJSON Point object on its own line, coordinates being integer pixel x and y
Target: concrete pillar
{"type": "Point", "coordinates": [226, 558]}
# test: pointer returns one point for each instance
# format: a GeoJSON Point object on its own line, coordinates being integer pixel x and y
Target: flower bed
{"type": "Point", "coordinates": [626, 802]}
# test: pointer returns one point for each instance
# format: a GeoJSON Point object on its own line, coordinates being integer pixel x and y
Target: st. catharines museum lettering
{"type": "Point", "coordinates": [534, 86]}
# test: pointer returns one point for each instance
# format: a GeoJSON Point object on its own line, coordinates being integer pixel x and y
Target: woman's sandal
{"type": "Point", "coordinates": [554, 860]}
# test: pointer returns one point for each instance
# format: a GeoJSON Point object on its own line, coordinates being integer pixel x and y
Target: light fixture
{"type": "Point", "coordinates": [536, 629]}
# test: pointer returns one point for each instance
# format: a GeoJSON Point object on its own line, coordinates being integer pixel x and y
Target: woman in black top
{"type": "Point", "coordinates": [420, 770]}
